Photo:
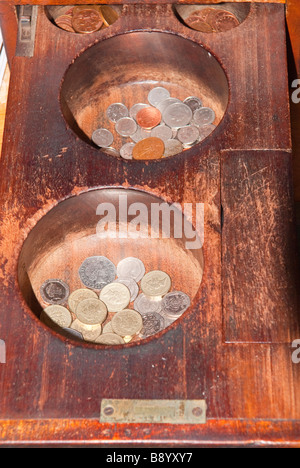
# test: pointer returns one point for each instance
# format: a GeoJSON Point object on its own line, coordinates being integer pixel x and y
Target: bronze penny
{"type": "Point", "coordinates": [149, 148]}
{"type": "Point", "coordinates": [86, 20]}
{"type": "Point", "coordinates": [65, 22]}
{"type": "Point", "coordinates": [108, 14]}
{"type": "Point", "coordinates": [148, 118]}
{"type": "Point", "coordinates": [222, 20]}
{"type": "Point", "coordinates": [199, 20]}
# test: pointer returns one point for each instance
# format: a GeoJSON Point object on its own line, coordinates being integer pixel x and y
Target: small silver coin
{"type": "Point", "coordinates": [131, 267]}
{"type": "Point", "coordinates": [112, 151]}
{"type": "Point", "coordinates": [188, 135]}
{"type": "Point", "coordinates": [96, 272]}
{"type": "Point", "coordinates": [126, 126]}
{"type": "Point", "coordinates": [177, 115]}
{"type": "Point", "coordinates": [153, 323]}
{"type": "Point", "coordinates": [116, 111]}
{"type": "Point", "coordinates": [55, 291]}
{"type": "Point", "coordinates": [126, 150]}
{"type": "Point", "coordinates": [204, 132]}
{"type": "Point", "coordinates": [174, 304]}
{"type": "Point", "coordinates": [135, 108]}
{"type": "Point", "coordinates": [163, 132]}
{"type": "Point", "coordinates": [167, 102]}
{"type": "Point", "coordinates": [144, 305]}
{"type": "Point", "coordinates": [172, 147]}
{"type": "Point", "coordinates": [193, 102]}
{"type": "Point", "coordinates": [102, 137]}
{"type": "Point", "coordinates": [140, 134]}
{"type": "Point", "coordinates": [204, 116]}
{"type": "Point", "coordinates": [158, 94]}
{"type": "Point", "coordinates": [131, 285]}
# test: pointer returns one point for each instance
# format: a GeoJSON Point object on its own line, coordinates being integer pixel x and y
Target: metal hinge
{"type": "Point", "coordinates": [27, 15]}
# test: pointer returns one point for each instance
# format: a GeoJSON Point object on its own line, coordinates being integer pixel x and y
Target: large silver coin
{"type": "Point", "coordinates": [55, 291]}
{"type": "Point", "coordinates": [131, 267]}
{"type": "Point", "coordinates": [204, 132]}
{"type": "Point", "coordinates": [126, 150]}
{"type": "Point", "coordinates": [193, 102]}
{"type": "Point", "coordinates": [140, 134]}
{"type": "Point", "coordinates": [153, 323]}
{"type": "Point", "coordinates": [177, 115]}
{"type": "Point", "coordinates": [167, 102]}
{"type": "Point", "coordinates": [188, 135]}
{"type": "Point", "coordinates": [158, 94]}
{"type": "Point", "coordinates": [204, 116]}
{"type": "Point", "coordinates": [102, 137]}
{"type": "Point", "coordinates": [135, 108]}
{"type": "Point", "coordinates": [144, 305]}
{"type": "Point", "coordinates": [172, 147]}
{"type": "Point", "coordinates": [163, 132]}
{"type": "Point", "coordinates": [116, 111]}
{"type": "Point", "coordinates": [131, 285]}
{"type": "Point", "coordinates": [174, 304]}
{"type": "Point", "coordinates": [126, 126]}
{"type": "Point", "coordinates": [96, 272]}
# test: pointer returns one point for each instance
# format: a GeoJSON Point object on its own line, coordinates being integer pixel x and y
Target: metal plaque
{"type": "Point", "coordinates": [26, 30]}
{"type": "Point", "coordinates": [153, 411]}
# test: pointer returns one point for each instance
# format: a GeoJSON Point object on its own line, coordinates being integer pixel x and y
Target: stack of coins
{"type": "Point", "coordinates": [163, 127]}
{"type": "Point", "coordinates": [116, 305]}
{"type": "Point", "coordinates": [86, 19]}
{"type": "Point", "coordinates": [211, 20]}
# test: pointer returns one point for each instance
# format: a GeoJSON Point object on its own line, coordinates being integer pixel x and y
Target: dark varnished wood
{"type": "Point", "coordinates": [51, 387]}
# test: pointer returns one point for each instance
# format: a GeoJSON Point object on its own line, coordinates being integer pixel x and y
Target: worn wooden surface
{"type": "Point", "coordinates": [234, 347]}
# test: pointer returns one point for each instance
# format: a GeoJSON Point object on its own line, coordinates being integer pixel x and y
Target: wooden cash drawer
{"type": "Point", "coordinates": [232, 349]}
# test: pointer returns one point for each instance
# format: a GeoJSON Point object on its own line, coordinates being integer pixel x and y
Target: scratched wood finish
{"type": "Point", "coordinates": [45, 162]}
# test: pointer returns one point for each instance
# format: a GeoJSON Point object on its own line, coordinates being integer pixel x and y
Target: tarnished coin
{"type": "Point", "coordinates": [91, 311]}
{"type": "Point", "coordinates": [156, 283]}
{"type": "Point", "coordinates": [131, 267]}
{"type": "Point", "coordinates": [188, 135]}
{"type": "Point", "coordinates": [65, 22]}
{"type": "Point", "coordinates": [163, 132]}
{"type": "Point", "coordinates": [96, 272]}
{"type": "Point", "coordinates": [140, 134]}
{"type": "Point", "coordinates": [54, 291]}
{"type": "Point", "coordinates": [102, 137]}
{"type": "Point", "coordinates": [108, 14]}
{"type": "Point", "coordinates": [78, 296]}
{"type": "Point", "coordinates": [146, 305]}
{"type": "Point", "coordinates": [128, 322]}
{"type": "Point", "coordinates": [222, 20]}
{"type": "Point", "coordinates": [153, 323]}
{"type": "Point", "coordinates": [59, 315]}
{"type": "Point", "coordinates": [116, 296]}
{"type": "Point", "coordinates": [167, 102]}
{"type": "Point", "coordinates": [193, 102]}
{"type": "Point", "coordinates": [126, 126]}
{"type": "Point", "coordinates": [174, 304]}
{"type": "Point", "coordinates": [172, 147]}
{"type": "Point", "coordinates": [149, 148]}
{"type": "Point", "coordinates": [70, 333]}
{"type": "Point", "coordinates": [199, 22]}
{"type": "Point", "coordinates": [107, 328]}
{"type": "Point", "coordinates": [158, 94]}
{"type": "Point", "coordinates": [116, 111]}
{"type": "Point", "coordinates": [110, 339]}
{"type": "Point", "coordinates": [204, 132]}
{"type": "Point", "coordinates": [204, 116]}
{"type": "Point", "coordinates": [177, 115]}
{"type": "Point", "coordinates": [135, 108]}
{"type": "Point", "coordinates": [112, 151]}
{"type": "Point", "coordinates": [126, 150]}
{"type": "Point", "coordinates": [89, 332]}
{"type": "Point", "coordinates": [132, 285]}
{"type": "Point", "coordinates": [148, 117]}
{"type": "Point", "coordinates": [86, 20]}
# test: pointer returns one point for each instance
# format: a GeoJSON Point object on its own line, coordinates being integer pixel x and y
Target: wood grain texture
{"type": "Point", "coordinates": [68, 2]}
{"type": "Point", "coordinates": [9, 27]}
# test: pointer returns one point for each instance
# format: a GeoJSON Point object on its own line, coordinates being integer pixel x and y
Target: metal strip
{"type": "Point", "coordinates": [26, 30]}
{"type": "Point", "coordinates": [153, 411]}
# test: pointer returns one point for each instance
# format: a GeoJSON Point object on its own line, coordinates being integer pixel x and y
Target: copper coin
{"type": "Point", "coordinates": [148, 118]}
{"type": "Point", "coordinates": [149, 148]}
{"type": "Point", "coordinates": [199, 20]}
{"type": "Point", "coordinates": [86, 20]}
{"type": "Point", "coordinates": [109, 15]}
{"type": "Point", "coordinates": [222, 20]}
{"type": "Point", "coordinates": [65, 22]}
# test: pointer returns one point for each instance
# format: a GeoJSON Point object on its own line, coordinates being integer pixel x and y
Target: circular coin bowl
{"type": "Point", "coordinates": [124, 69]}
{"type": "Point", "coordinates": [78, 228]}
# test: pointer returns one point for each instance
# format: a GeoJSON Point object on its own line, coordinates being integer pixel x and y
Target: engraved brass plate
{"type": "Point", "coordinates": [153, 411]}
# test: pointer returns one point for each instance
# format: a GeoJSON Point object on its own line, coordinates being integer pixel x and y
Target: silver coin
{"type": "Point", "coordinates": [172, 147]}
{"type": "Point", "coordinates": [116, 111]}
{"type": "Point", "coordinates": [112, 151]}
{"type": "Point", "coordinates": [140, 134]}
{"type": "Point", "coordinates": [144, 305]}
{"type": "Point", "coordinates": [204, 132]}
{"type": "Point", "coordinates": [153, 323]}
{"type": "Point", "coordinates": [204, 116]}
{"type": "Point", "coordinates": [131, 267]}
{"type": "Point", "coordinates": [193, 102]}
{"type": "Point", "coordinates": [55, 291]}
{"type": "Point", "coordinates": [174, 304]}
{"type": "Point", "coordinates": [188, 135]}
{"type": "Point", "coordinates": [126, 126]}
{"type": "Point", "coordinates": [135, 108]}
{"type": "Point", "coordinates": [163, 132]}
{"type": "Point", "coordinates": [126, 150]}
{"type": "Point", "coordinates": [177, 115]}
{"type": "Point", "coordinates": [102, 137]}
{"type": "Point", "coordinates": [70, 333]}
{"type": "Point", "coordinates": [158, 94]}
{"type": "Point", "coordinates": [131, 285]}
{"type": "Point", "coordinates": [96, 272]}
{"type": "Point", "coordinates": [167, 102]}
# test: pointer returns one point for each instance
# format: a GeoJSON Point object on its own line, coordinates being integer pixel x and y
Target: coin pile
{"type": "Point", "coordinates": [211, 20]}
{"type": "Point", "coordinates": [117, 304]}
{"type": "Point", "coordinates": [85, 19]}
{"type": "Point", "coordinates": [164, 126]}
